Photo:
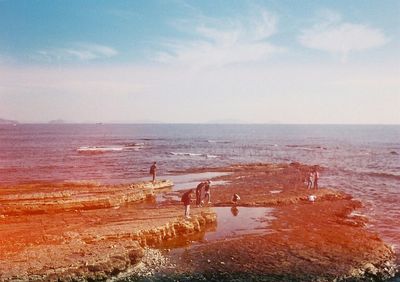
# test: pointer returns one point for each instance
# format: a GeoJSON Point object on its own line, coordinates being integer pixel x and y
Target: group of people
{"type": "Point", "coordinates": [207, 193]}
{"type": "Point", "coordinates": [187, 196]}
{"type": "Point", "coordinates": [312, 180]}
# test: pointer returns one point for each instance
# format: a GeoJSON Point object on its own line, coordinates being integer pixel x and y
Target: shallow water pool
{"type": "Point", "coordinates": [236, 221]}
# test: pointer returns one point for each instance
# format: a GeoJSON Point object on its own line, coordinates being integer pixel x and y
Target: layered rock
{"type": "Point", "coordinates": [87, 231]}
{"type": "Point", "coordinates": [56, 197]}
{"type": "Point", "coordinates": [89, 244]}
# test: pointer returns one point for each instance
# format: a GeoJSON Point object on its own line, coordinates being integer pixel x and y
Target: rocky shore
{"type": "Point", "coordinates": [86, 231]}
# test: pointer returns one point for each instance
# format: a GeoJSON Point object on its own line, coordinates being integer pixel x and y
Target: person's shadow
{"type": "Point", "coordinates": [234, 211]}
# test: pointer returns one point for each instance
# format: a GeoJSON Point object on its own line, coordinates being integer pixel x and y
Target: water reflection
{"type": "Point", "coordinates": [236, 221]}
{"type": "Point", "coordinates": [231, 222]}
{"type": "Point", "coordinates": [234, 211]}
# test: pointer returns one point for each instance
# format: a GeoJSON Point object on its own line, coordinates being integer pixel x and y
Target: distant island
{"type": "Point", "coordinates": [57, 121]}
{"type": "Point", "coordinates": [226, 121]}
{"type": "Point", "coordinates": [7, 121]}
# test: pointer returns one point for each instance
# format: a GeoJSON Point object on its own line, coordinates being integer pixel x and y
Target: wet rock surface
{"type": "Point", "coordinates": [319, 240]}
{"type": "Point", "coordinates": [88, 242]}
{"type": "Point", "coordinates": [122, 232]}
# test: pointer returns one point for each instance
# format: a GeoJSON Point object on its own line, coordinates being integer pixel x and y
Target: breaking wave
{"type": "Point", "coordinates": [104, 149]}
{"type": "Point", "coordinates": [219, 141]}
{"type": "Point", "coordinates": [208, 156]}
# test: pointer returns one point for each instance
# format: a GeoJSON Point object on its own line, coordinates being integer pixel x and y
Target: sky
{"type": "Point", "coordinates": [176, 61]}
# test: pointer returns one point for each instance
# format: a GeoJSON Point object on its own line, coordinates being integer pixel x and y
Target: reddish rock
{"type": "Point", "coordinates": [87, 231]}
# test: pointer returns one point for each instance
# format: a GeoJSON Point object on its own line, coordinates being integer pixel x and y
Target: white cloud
{"type": "Point", "coordinates": [265, 26]}
{"type": "Point", "coordinates": [333, 35]}
{"type": "Point", "coordinates": [221, 43]}
{"type": "Point", "coordinates": [76, 51]}
{"type": "Point", "coordinates": [249, 93]}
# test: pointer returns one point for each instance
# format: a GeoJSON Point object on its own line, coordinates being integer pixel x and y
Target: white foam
{"type": "Point", "coordinates": [312, 198]}
{"type": "Point", "coordinates": [211, 156]}
{"type": "Point", "coordinates": [357, 214]}
{"type": "Point", "coordinates": [275, 191]}
{"type": "Point", "coordinates": [103, 149]}
{"type": "Point", "coordinates": [98, 149]}
{"type": "Point", "coordinates": [187, 154]}
{"type": "Point", "coordinates": [218, 141]}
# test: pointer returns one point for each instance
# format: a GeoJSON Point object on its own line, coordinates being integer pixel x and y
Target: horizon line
{"type": "Point", "coordinates": [188, 123]}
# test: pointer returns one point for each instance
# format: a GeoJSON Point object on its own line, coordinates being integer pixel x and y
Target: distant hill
{"type": "Point", "coordinates": [7, 121]}
{"type": "Point", "coordinates": [227, 121]}
{"type": "Point", "coordinates": [57, 121]}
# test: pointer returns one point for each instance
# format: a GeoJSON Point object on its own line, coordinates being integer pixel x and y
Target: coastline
{"type": "Point", "coordinates": [111, 232]}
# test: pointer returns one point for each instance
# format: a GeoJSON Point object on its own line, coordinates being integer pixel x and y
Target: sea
{"type": "Point", "coordinates": [362, 160]}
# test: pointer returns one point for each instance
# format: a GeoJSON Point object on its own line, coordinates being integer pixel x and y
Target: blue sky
{"type": "Point", "coordinates": [200, 61]}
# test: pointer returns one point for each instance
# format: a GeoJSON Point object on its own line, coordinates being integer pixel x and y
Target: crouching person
{"type": "Point", "coordinates": [235, 199]}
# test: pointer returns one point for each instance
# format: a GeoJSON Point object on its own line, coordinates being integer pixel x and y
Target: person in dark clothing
{"type": "Point", "coordinates": [186, 199]}
{"type": "Point", "coordinates": [235, 199]}
{"type": "Point", "coordinates": [316, 177]}
{"type": "Point", "coordinates": [310, 180]}
{"type": "Point", "coordinates": [207, 191]}
{"type": "Point", "coordinates": [153, 171]}
{"type": "Point", "coordinates": [199, 189]}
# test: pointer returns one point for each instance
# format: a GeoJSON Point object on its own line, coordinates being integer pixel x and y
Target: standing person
{"type": "Point", "coordinates": [207, 191]}
{"type": "Point", "coordinates": [186, 198]}
{"type": "Point", "coordinates": [310, 180]}
{"type": "Point", "coordinates": [316, 177]}
{"type": "Point", "coordinates": [199, 189]}
{"type": "Point", "coordinates": [153, 171]}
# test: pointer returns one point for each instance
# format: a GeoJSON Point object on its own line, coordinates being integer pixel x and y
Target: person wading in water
{"type": "Point", "coordinates": [153, 171]}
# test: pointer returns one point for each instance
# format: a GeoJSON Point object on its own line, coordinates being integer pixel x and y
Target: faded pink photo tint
{"type": "Point", "coordinates": [199, 140]}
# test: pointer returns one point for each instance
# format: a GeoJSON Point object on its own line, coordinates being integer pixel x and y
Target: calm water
{"type": "Point", "coordinates": [361, 160]}
{"type": "Point", "coordinates": [233, 221]}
